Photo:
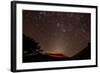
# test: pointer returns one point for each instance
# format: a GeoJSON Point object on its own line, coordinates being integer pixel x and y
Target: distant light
{"type": "Point", "coordinates": [64, 30]}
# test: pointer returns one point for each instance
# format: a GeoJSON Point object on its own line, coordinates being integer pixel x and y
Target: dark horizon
{"type": "Point", "coordinates": [32, 53]}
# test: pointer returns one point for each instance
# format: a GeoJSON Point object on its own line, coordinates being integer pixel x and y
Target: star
{"type": "Point", "coordinates": [43, 13]}
{"type": "Point", "coordinates": [40, 13]}
{"type": "Point", "coordinates": [83, 30]}
{"type": "Point", "coordinates": [63, 30]}
{"type": "Point", "coordinates": [58, 25]}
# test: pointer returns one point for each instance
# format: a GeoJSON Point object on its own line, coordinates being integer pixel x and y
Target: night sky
{"type": "Point", "coordinates": [58, 32]}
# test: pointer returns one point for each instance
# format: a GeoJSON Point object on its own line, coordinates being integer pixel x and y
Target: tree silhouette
{"type": "Point", "coordinates": [30, 46]}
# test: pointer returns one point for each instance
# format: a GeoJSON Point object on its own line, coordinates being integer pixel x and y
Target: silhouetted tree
{"type": "Point", "coordinates": [30, 46]}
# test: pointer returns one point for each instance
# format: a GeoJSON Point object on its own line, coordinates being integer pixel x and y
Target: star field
{"type": "Point", "coordinates": [69, 32]}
